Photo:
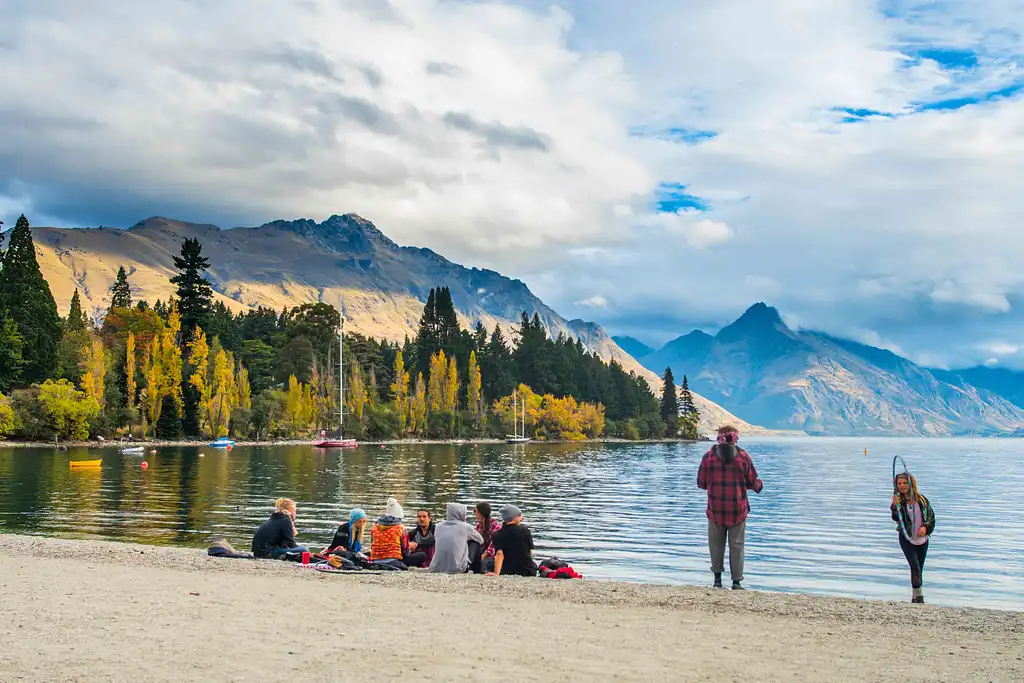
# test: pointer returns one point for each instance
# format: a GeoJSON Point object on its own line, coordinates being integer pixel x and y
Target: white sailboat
{"type": "Point", "coordinates": [339, 441]}
{"type": "Point", "coordinates": [517, 437]}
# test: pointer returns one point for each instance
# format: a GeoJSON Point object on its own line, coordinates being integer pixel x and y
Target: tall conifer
{"type": "Point", "coordinates": [27, 299]}
{"type": "Point", "coordinates": [669, 403]}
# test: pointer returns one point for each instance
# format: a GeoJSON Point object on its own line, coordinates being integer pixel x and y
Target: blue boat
{"type": "Point", "coordinates": [223, 442]}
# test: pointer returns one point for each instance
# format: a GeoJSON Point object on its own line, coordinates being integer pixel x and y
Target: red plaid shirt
{"type": "Point", "coordinates": [727, 484]}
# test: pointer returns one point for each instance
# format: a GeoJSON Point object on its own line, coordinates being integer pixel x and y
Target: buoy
{"type": "Point", "coordinates": [229, 448]}
{"type": "Point", "coordinates": [200, 455]}
{"type": "Point", "coordinates": [865, 451]}
{"type": "Point", "coordinates": [153, 452]}
{"type": "Point", "coordinates": [382, 446]}
{"type": "Point", "coordinates": [144, 465]}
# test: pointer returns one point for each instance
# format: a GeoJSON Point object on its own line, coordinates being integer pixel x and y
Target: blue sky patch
{"type": "Point", "coordinates": [961, 102]}
{"type": "Point", "coordinates": [689, 136]}
{"type": "Point", "coordinates": [948, 58]}
{"type": "Point", "coordinates": [673, 197]}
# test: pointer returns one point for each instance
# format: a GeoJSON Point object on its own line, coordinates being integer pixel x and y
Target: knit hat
{"type": "Point", "coordinates": [509, 513]}
{"type": "Point", "coordinates": [356, 515]}
{"type": "Point", "coordinates": [393, 509]}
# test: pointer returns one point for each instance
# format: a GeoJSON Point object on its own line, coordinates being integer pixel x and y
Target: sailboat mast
{"type": "Point", "coordinates": [341, 362]}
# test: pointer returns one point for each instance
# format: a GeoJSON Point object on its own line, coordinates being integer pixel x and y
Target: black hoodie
{"type": "Point", "coordinates": [276, 532]}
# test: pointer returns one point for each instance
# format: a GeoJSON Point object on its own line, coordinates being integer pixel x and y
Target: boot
{"type": "Point", "coordinates": [737, 587]}
{"type": "Point", "coordinates": [718, 580]}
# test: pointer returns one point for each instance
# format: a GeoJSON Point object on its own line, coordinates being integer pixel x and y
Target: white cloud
{"type": "Point", "coordinates": [1000, 348]}
{"type": "Point", "coordinates": [498, 135]}
{"type": "Point", "coordinates": [596, 301]}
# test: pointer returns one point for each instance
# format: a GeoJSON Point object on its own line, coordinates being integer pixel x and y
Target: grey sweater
{"type": "Point", "coordinates": [451, 542]}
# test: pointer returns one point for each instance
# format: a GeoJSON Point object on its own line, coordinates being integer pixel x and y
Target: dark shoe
{"type": "Point", "coordinates": [919, 599]}
{"type": "Point", "coordinates": [737, 587]}
{"type": "Point", "coordinates": [718, 581]}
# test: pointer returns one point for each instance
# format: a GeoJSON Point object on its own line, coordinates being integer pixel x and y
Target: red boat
{"type": "Point", "coordinates": [336, 443]}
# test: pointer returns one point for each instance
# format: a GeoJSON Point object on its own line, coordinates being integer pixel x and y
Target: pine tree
{"type": "Point", "coordinates": [195, 294]}
{"type": "Point", "coordinates": [670, 403]}
{"type": "Point", "coordinates": [11, 361]}
{"type": "Point", "coordinates": [121, 291]}
{"type": "Point", "coordinates": [26, 298]}
{"type": "Point", "coordinates": [690, 414]}
{"type": "Point", "coordinates": [77, 320]}
{"type": "Point", "coordinates": [74, 338]}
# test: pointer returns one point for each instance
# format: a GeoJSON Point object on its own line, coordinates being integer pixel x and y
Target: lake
{"type": "Point", "coordinates": [615, 511]}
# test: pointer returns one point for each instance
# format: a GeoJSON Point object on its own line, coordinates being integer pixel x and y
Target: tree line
{"type": "Point", "coordinates": [189, 367]}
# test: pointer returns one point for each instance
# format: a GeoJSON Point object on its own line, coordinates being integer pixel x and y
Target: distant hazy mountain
{"type": "Point", "coordinates": [289, 263]}
{"type": "Point", "coordinates": [784, 379]}
{"type": "Point", "coordinates": [633, 347]}
{"type": "Point", "coordinates": [1002, 381]}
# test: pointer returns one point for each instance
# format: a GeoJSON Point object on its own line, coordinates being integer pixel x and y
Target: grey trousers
{"type": "Point", "coordinates": [717, 536]}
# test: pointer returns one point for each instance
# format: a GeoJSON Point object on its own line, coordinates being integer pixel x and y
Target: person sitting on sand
{"type": "Point", "coordinates": [349, 536]}
{"type": "Point", "coordinates": [421, 538]}
{"type": "Point", "coordinates": [513, 545]}
{"type": "Point", "coordinates": [486, 526]}
{"type": "Point", "coordinates": [914, 513]}
{"type": "Point", "coordinates": [390, 542]}
{"type": "Point", "coordinates": [275, 538]}
{"type": "Point", "coordinates": [726, 472]}
{"type": "Point", "coordinates": [459, 547]}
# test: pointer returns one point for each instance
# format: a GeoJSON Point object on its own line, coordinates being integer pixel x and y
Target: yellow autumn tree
{"type": "Point", "coordinates": [129, 378]}
{"type": "Point", "coordinates": [550, 417]}
{"type": "Point", "coordinates": [222, 394]}
{"type": "Point", "coordinates": [156, 382]}
{"type": "Point", "coordinates": [400, 392]}
{"type": "Point", "coordinates": [437, 381]}
{"type": "Point", "coordinates": [418, 407]}
{"type": "Point", "coordinates": [474, 389]}
{"type": "Point", "coordinates": [94, 368]}
{"type": "Point", "coordinates": [451, 386]}
{"type": "Point", "coordinates": [170, 359]}
{"type": "Point", "coordinates": [356, 393]}
{"type": "Point", "coordinates": [199, 362]}
{"type": "Point", "coordinates": [371, 389]}
{"type": "Point", "coordinates": [243, 390]}
{"type": "Point", "coordinates": [296, 408]}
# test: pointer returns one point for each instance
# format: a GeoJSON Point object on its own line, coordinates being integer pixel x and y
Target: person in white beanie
{"type": "Point", "coordinates": [390, 541]}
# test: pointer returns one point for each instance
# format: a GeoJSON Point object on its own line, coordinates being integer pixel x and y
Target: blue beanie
{"type": "Point", "coordinates": [356, 515]}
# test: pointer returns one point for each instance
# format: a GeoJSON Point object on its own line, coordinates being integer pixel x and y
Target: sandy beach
{"type": "Point", "coordinates": [92, 610]}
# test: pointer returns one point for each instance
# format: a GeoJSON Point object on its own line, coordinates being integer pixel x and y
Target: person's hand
{"type": "Point", "coordinates": [896, 500]}
{"type": "Point", "coordinates": [923, 531]}
{"type": "Point", "coordinates": [413, 546]}
{"type": "Point", "coordinates": [490, 574]}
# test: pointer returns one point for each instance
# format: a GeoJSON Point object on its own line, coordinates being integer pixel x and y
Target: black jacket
{"type": "Point", "coordinates": [416, 536]}
{"type": "Point", "coordinates": [276, 532]}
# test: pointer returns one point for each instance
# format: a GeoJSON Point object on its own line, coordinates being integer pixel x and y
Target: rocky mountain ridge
{"type": "Point", "coordinates": [786, 379]}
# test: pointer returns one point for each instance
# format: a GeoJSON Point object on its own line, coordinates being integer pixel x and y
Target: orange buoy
{"type": "Point", "coordinates": [144, 465]}
{"type": "Point", "coordinates": [153, 452]}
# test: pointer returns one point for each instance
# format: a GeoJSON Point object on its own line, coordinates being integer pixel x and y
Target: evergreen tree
{"type": "Point", "coordinates": [690, 414]}
{"type": "Point", "coordinates": [121, 292]}
{"type": "Point", "coordinates": [77, 320]}
{"type": "Point", "coordinates": [74, 338]}
{"type": "Point", "coordinates": [195, 295]}
{"type": "Point", "coordinates": [670, 403]}
{"type": "Point", "coordinates": [26, 298]}
{"type": "Point", "coordinates": [11, 361]}
{"type": "Point", "coordinates": [194, 304]}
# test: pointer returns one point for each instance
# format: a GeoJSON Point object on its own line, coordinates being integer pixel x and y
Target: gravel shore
{"type": "Point", "coordinates": [93, 610]}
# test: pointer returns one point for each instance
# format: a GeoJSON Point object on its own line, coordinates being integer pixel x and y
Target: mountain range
{"type": "Point", "coordinates": [820, 384]}
{"type": "Point", "coordinates": [289, 263]}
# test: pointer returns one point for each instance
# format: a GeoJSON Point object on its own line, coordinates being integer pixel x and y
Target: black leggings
{"type": "Point", "coordinates": [476, 552]}
{"type": "Point", "coordinates": [415, 559]}
{"type": "Point", "coordinates": [915, 555]}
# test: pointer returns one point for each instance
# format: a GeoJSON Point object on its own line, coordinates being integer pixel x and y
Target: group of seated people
{"type": "Point", "coordinates": [452, 546]}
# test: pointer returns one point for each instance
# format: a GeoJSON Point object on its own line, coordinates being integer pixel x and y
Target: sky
{"type": "Point", "coordinates": [656, 166]}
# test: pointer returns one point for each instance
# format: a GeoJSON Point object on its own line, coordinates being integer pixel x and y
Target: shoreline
{"type": "Point", "coordinates": [182, 443]}
{"type": "Point", "coordinates": [99, 610]}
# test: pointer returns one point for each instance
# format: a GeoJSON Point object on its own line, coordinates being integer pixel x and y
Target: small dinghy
{"type": "Point", "coordinates": [223, 442]}
{"type": "Point", "coordinates": [133, 450]}
{"type": "Point", "coordinates": [75, 464]}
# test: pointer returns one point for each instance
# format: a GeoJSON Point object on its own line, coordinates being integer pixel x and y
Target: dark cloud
{"type": "Point", "coordinates": [499, 135]}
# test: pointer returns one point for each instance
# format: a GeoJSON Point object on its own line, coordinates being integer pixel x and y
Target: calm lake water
{"type": "Point", "coordinates": [629, 512]}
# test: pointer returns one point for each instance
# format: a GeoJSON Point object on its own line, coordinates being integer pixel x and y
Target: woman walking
{"type": "Point", "coordinates": [916, 520]}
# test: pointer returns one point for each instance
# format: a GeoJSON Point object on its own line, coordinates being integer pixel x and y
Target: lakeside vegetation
{"type": "Point", "coordinates": [191, 368]}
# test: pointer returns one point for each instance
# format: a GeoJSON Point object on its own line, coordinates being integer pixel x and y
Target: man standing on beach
{"type": "Point", "coordinates": [726, 472]}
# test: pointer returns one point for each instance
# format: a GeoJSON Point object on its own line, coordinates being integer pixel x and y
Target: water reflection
{"type": "Point", "coordinates": [628, 512]}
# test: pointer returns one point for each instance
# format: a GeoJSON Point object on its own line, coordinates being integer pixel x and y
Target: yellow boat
{"type": "Point", "coordinates": [84, 463]}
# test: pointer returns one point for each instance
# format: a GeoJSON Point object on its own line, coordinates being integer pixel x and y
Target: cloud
{"type": "Point", "coordinates": [596, 301]}
{"type": "Point", "coordinates": [856, 161]}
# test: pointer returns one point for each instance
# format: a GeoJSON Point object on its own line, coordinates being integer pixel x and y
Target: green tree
{"type": "Point", "coordinates": [74, 338]}
{"type": "Point", "coordinates": [121, 291]}
{"type": "Point", "coordinates": [6, 416]}
{"type": "Point", "coordinates": [67, 409]}
{"type": "Point", "coordinates": [690, 415]}
{"type": "Point", "coordinates": [27, 299]}
{"type": "Point", "coordinates": [195, 295]}
{"type": "Point", "coordinates": [669, 403]}
{"type": "Point", "coordinates": [11, 360]}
